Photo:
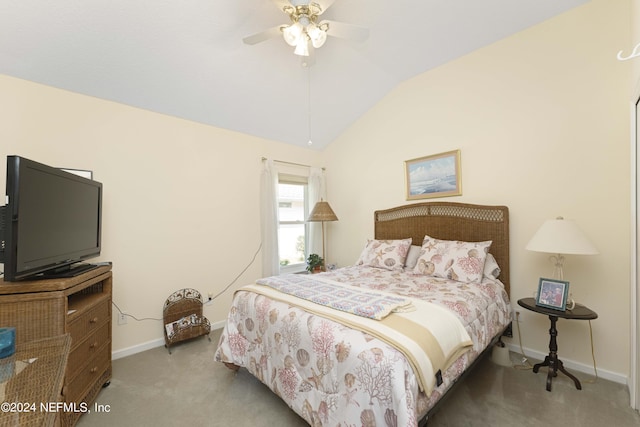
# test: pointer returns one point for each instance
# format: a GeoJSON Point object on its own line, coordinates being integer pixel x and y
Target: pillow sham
{"type": "Point", "coordinates": [491, 267]}
{"type": "Point", "coordinates": [453, 259]}
{"type": "Point", "coordinates": [387, 254]}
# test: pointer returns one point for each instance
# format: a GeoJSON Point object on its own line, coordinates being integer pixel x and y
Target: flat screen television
{"type": "Point", "coordinates": [52, 221]}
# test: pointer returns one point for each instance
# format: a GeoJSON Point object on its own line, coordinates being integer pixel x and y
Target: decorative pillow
{"type": "Point", "coordinates": [452, 259]}
{"type": "Point", "coordinates": [412, 257]}
{"type": "Point", "coordinates": [491, 267]}
{"type": "Point", "coordinates": [388, 254]}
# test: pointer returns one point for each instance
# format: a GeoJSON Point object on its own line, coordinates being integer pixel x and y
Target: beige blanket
{"type": "Point", "coordinates": [431, 337]}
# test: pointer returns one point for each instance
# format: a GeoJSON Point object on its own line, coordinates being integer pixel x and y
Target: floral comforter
{"type": "Point", "coordinates": [335, 376]}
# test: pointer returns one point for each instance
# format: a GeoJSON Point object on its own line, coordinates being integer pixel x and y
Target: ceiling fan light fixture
{"type": "Point", "coordinates": [302, 48]}
{"type": "Point", "coordinates": [317, 35]}
{"type": "Point", "coordinates": [305, 32]}
{"type": "Point", "coordinates": [293, 33]}
{"type": "Point", "coordinates": [304, 20]}
{"type": "Point", "coordinates": [304, 29]}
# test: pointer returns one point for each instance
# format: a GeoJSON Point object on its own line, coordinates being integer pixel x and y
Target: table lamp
{"type": "Point", "coordinates": [560, 237]}
{"type": "Point", "coordinates": [322, 212]}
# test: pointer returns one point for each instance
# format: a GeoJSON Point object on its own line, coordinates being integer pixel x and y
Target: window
{"type": "Point", "coordinates": [292, 229]}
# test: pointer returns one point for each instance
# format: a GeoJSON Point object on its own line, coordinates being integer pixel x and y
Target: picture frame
{"type": "Point", "coordinates": [80, 172]}
{"type": "Point", "coordinates": [552, 293]}
{"type": "Point", "coordinates": [437, 175]}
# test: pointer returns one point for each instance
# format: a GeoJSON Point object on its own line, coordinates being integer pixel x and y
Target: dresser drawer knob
{"type": "Point", "coordinates": [94, 320]}
{"type": "Point", "coordinates": [94, 370]}
{"type": "Point", "coordinates": [94, 345]}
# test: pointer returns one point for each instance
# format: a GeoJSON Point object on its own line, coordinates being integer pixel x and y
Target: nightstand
{"type": "Point", "coordinates": [579, 312]}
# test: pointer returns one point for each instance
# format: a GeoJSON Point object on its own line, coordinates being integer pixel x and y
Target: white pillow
{"type": "Point", "coordinates": [388, 254]}
{"type": "Point", "coordinates": [412, 257]}
{"type": "Point", "coordinates": [452, 259]}
{"type": "Point", "coordinates": [491, 267]}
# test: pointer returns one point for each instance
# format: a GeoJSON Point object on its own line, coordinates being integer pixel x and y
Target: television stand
{"type": "Point", "coordinates": [79, 306]}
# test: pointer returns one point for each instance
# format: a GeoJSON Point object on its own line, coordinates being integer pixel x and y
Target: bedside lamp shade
{"type": "Point", "coordinates": [561, 236]}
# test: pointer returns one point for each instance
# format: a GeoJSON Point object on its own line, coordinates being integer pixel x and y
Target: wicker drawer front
{"type": "Point", "coordinates": [33, 318]}
{"type": "Point", "coordinates": [87, 375]}
{"type": "Point", "coordinates": [87, 349]}
{"type": "Point", "coordinates": [89, 322]}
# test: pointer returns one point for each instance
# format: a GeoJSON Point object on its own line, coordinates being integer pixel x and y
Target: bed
{"type": "Point", "coordinates": [333, 371]}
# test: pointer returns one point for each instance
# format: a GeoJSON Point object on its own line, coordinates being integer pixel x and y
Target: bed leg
{"type": "Point", "coordinates": [508, 332]}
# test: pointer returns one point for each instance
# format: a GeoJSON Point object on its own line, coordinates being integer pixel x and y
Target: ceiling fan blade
{"type": "Point", "coordinates": [346, 31]}
{"type": "Point", "coordinates": [325, 4]}
{"type": "Point", "coordinates": [263, 35]}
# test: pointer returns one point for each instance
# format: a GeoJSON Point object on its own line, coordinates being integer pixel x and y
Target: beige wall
{"type": "Point", "coordinates": [181, 202]}
{"type": "Point", "coordinates": [634, 300]}
{"type": "Point", "coordinates": [542, 122]}
{"type": "Point", "coordinates": [633, 42]}
{"type": "Point", "coordinates": [541, 118]}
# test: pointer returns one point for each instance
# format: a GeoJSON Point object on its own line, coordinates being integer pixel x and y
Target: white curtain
{"type": "Point", "coordinates": [269, 219]}
{"type": "Point", "coordinates": [316, 191]}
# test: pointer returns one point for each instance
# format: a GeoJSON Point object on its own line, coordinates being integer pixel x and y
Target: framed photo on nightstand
{"type": "Point", "coordinates": [552, 294]}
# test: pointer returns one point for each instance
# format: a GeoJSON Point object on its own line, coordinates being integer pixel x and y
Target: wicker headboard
{"type": "Point", "coordinates": [449, 221]}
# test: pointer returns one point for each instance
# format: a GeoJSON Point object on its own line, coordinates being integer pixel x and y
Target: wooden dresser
{"type": "Point", "coordinates": [79, 306]}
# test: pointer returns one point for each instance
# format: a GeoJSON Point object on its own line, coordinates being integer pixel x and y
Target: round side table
{"type": "Point", "coordinates": [580, 312]}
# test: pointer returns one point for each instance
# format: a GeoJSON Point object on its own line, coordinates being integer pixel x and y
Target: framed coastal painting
{"type": "Point", "coordinates": [433, 176]}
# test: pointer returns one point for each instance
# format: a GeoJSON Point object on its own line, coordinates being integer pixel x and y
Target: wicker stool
{"type": "Point", "coordinates": [183, 317]}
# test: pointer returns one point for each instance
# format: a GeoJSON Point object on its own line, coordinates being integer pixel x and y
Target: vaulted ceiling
{"type": "Point", "coordinates": [186, 58]}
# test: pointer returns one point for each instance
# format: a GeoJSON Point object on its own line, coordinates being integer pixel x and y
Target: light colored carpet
{"type": "Point", "coordinates": [188, 387]}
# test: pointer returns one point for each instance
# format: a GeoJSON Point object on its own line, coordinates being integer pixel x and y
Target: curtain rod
{"type": "Point", "coordinates": [289, 163]}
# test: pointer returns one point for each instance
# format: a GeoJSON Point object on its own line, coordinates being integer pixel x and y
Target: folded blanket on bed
{"type": "Point", "coordinates": [431, 337]}
{"type": "Point", "coordinates": [361, 302]}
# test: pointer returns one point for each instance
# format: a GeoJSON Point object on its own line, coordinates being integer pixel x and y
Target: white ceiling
{"type": "Point", "coordinates": [186, 58]}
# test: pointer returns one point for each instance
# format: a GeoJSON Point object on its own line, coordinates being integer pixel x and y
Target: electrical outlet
{"type": "Point", "coordinates": [122, 319]}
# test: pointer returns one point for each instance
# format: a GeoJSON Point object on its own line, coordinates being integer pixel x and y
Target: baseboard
{"type": "Point", "coordinates": [159, 342]}
{"type": "Point", "coordinates": [138, 348]}
{"type": "Point", "coordinates": [573, 365]}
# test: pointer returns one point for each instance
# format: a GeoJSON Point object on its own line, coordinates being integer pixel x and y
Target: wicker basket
{"type": "Point", "coordinates": [183, 317]}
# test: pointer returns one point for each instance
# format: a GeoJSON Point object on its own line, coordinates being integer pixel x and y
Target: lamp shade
{"type": "Point", "coordinates": [292, 33]}
{"type": "Point", "coordinates": [322, 212]}
{"type": "Point", "coordinates": [317, 35]}
{"type": "Point", "coordinates": [302, 48]}
{"type": "Point", "coordinates": [561, 236]}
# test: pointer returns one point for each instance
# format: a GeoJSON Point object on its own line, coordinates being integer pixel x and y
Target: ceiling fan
{"type": "Point", "coordinates": [306, 32]}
